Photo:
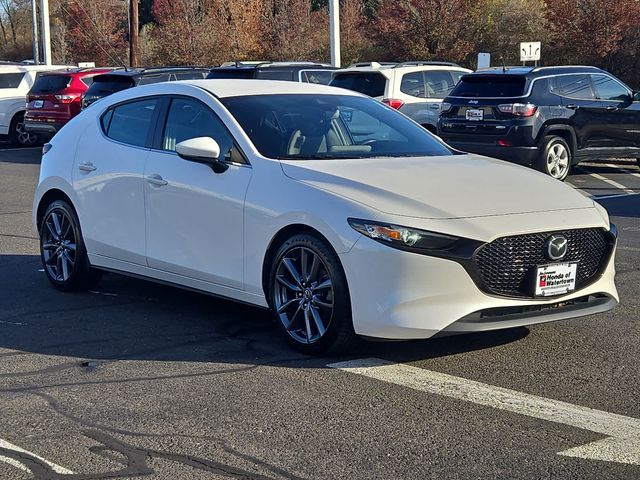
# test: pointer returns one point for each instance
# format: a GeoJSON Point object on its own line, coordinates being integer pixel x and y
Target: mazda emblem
{"type": "Point", "coordinates": [556, 247]}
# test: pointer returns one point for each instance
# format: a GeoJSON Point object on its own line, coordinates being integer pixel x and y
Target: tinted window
{"type": "Point", "coordinates": [573, 86]}
{"type": "Point", "coordinates": [232, 73]}
{"type": "Point", "coordinates": [50, 83]}
{"type": "Point", "coordinates": [191, 119]}
{"type": "Point", "coordinates": [316, 76]}
{"type": "Point", "coordinates": [413, 84]}
{"type": "Point", "coordinates": [304, 127]}
{"type": "Point", "coordinates": [130, 122]}
{"type": "Point", "coordinates": [108, 84]}
{"type": "Point", "coordinates": [372, 84]}
{"type": "Point", "coordinates": [608, 89]}
{"type": "Point", "coordinates": [148, 79]}
{"type": "Point", "coordinates": [271, 74]}
{"type": "Point", "coordinates": [188, 75]}
{"type": "Point", "coordinates": [10, 80]}
{"type": "Point", "coordinates": [489, 86]}
{"type": "Point", "coordinates": [87, 81]}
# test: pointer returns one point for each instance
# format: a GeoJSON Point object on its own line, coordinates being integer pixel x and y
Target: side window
{"type": "Point", "coordinates": [322, 77]}
{"type": "Point", "coordinates": [188, 75]}
{"type": "Point", "coordinates": [608, 89]}
{"type": "Point", "coordinates": [573, 86]}
{"type": "Point", "coordinates": [438, 84]}
{"type": "Point", "coordinates": [148, 79]}
{"type": "Point", "coordinates": [190, 119]}
{"type": "Point", "coordinates": [275, 74]}
{"type": "Point", "coordinates": [129, 123]}
{"type": "Point", "coordinates": [10, 80]}
{"type": "Point", "coordinates": [456, 76]}
{"type": "Point", "coordinates": [413, 84]}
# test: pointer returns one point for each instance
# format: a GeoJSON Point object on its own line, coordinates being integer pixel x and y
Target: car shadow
{"type": "Point", "coordinates": [125, 318]}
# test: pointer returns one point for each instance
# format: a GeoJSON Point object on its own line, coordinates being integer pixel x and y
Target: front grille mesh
{"type": "Point", "coordinates": [507, 265]}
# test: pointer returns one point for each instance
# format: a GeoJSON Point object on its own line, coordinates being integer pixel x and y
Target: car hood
{"type": "Point", "coordinates": [455, 186]}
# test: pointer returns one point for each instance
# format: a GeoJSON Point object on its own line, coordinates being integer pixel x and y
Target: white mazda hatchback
{"type": "Point", "coordinates": [340, 214]}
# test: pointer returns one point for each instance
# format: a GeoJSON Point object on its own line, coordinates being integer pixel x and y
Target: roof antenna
{"type": "Point", "coordinates": [504, 68]}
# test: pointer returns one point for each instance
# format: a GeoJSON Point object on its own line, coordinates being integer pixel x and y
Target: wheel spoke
{"type": "Point", "coordinates": [321, 286]}
{"type": "Point", "coordinates": [317, 319]}
{"type": "Point", "coordinates": [307, 324]}
{"type": "Point", "coordinates": [315, 266]}
{"type": "Point", "coordinates": [48, 246]}
{"type": "Point", "coordinates": [65, 266]}
{"type": "Point", "coordinates": [288, 263]}
{"type": "Point", "coordinates": [71, 247]}
{"type": "Point", "coordinates": [53, 259]}
{"type": "Point", "coordinates": [322, 303]}
{"type": "Point", "coordinates": [52, 230]}
{"type": "Point", "coordinates": [286, 283]}
{"type": "Point", "coordinates": [293, 318]}
{"type": "Point", "coordinates": [56, 223]}
{"type": "Point", "coordinates": [287, 304]}
{"type": "Point", "coordinates": [304, 257]}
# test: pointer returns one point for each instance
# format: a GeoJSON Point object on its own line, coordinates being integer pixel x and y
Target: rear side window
{"type": "Point", "coordinates": [11, 80]}
{"type": "Point", "coordinates": [608, 89]}
{"type": "Point", "coordinates": [87, 81]}
{"type": "Point", "coordinates": [129, 123]}
{"type": "Point", "coordinates": [108, 84]}
{"type": "Point", "coordinates": [50, 83]}
{"type": "Point", "coordinates": [573, 86]}
{"type": "Point", "coordinates": [188, 75]}
{"type": "Point", "coordinates": [149, 79]}
{"type": "Point", "coordinates": [275, 74]}
{"type": "Point", "coordinates": [490, 86]}
{"type": "Point", "coordinates": [413, 84]}
{"type": "Point", "coordinates": [322, 77]}
{"type": "Point", "coordinates": [372, 84]}
{"type": "Point", "coordinates": [232, 73]}
{"type": "Point", "coordinates": [433, 84]}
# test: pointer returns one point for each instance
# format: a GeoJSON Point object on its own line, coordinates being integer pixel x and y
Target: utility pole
{"type": "Point", "coordinates": [46, 36]}
{"type": "Point", "coordinates": [133, 33]}
{"type": "Point", "coordinates": [334, 31]}
{"type": "Point", "coordinates": [34, 27]}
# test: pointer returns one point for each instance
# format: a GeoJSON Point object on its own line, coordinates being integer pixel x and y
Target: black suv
{"type": "Point", "coordinates": [549, 118]}
{"type": "Point", "coordinates": [292, 71]}
{"type": "Point", "coordinates": [112, 82]}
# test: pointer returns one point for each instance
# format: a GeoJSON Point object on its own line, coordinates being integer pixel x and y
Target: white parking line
{"type": "Point", "coordinates": [623, 170]}
{"type": "Point", "coordinates": [604, 197]}
{"type": "Point", "coordinates": [622, 444]}
{"type": "Point", "coordinates": [613, 183]}
{"type": "Point", "coordinates": [10, 446]}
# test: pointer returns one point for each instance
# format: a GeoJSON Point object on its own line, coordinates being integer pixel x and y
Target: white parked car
{"type": "Point", "coordinates": [275, 194]}
{"type": "Point", "coordinates": [414, 88]}
{"type": "Point", "coordinates": [15, 82]}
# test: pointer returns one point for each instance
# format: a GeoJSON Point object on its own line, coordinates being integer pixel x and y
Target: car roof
{"type": "Point", "coordinates": [9, 68]}
{"type": "Point", "coordinates": [537, 71]}
{"type": "Point", "coordinates": [136, 72]}
{"type": "Point", "coordinates": [81, 72]}
{"type": "Point", "coordinates": [403, 67]}
{"type": "Point", "coordinates": [272, 65]}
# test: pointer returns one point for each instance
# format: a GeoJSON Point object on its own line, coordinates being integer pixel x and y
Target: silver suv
{"type": "Point", "coordinates": [414, 88]}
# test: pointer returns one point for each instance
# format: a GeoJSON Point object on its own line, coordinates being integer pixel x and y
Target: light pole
{"type": "Point", "coordinates": [34, 18]}
{"type": "Point", "coordinates": [334, 31]}
{"type": "Point", "coordinates": [46, 36]}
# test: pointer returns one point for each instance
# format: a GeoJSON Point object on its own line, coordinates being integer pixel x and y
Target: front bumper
{"type": "Point", "coordinates": [402, 295]}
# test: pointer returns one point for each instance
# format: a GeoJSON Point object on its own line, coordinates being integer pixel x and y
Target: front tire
{"type": "Point", "coordinates": [556, 158]}
{"type": "Point", "coordinates": [62, 250]}
{"type": "Point", "coordinates": [18, 136]}
{"type": "Point", "coordinates": [309, 296]}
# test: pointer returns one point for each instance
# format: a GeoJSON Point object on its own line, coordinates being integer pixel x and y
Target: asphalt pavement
{"type": "Point", "coordinates": [138, 380]}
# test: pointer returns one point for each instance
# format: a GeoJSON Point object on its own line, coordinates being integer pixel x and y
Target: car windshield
{"type": "Point", "coordinates": [50, 83]}
{"type": "Point", "coordinates": [307, 126]}
{"type": "Point", "coordinates": [489, 86]}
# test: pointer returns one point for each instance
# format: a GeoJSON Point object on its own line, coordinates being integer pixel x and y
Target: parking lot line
{"type": "Point", "coordinates": [623, 170]}
{"type": "Point", "coordinates": [604, 197]}
{"type": "Point", "coordinates": [613, 183]}
{"type": "Point", "coordinates": [11, 461]}
{"type": "Point", "coordinates": [622, 444]}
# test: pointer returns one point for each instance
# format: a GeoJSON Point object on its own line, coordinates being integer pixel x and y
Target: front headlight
{"type": "Point", "coordinates": [411, 239]}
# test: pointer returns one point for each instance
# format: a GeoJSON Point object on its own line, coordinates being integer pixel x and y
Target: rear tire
{"type": "Point", "coordinates": [62, 250]}
{"type": "Point", "coordinates": [309, 296]}
{"type": "Point", "coordinates": [556, 158]}
{"type": "Point", "coordinates": [18, 136]}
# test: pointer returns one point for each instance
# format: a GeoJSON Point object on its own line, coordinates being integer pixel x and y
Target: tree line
{"type": "Point", "coordinates": [604, 33]}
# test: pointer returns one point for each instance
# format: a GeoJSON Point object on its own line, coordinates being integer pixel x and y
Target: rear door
{"type": "Point", "coordinates": [108, 178]}
{"type": "Point", "coordinates": [581, 109]}
{"type": "Point", "coordinates": [423, 91]}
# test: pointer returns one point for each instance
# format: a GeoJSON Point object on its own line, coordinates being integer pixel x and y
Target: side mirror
{"type": "Point", "coordinates": [636, 97]}
{"type": "Point", "coordinates": [202, 150]}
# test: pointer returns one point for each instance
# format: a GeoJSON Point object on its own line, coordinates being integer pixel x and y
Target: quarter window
{"type": "Point", "coordinates": [573, 86]}
{"type": "Point", "coordinates": [148, 79]}
{"type": "Point", "coordinates": [191, 119]}
{"type": "Point", "coordinates": [608, 89]}
{"type": "Point", "coordinates": [129, 123]}
{"type": "Point", "coordinates": [438, 84]}
{"type": "Point", "coordinates": [11, 80]}
{"type": "Point", "coordinates": [413, 84]}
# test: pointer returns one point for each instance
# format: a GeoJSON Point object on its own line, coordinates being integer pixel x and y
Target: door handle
{"type": "Point", "coordinates": [571, 106]}
{"type": "Point", "coordinates": [611, 108]}
{"type": "Point", "coordinates": [86, 167]}
{"type": "Point", "coordinates": [157, 180]}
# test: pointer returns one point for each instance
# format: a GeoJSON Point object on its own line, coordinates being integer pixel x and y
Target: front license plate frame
{"type": "Point", "coordinates": [555, 279]}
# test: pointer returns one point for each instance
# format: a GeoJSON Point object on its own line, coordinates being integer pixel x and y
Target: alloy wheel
{"type": "Point", "coordinates": [303, 294]}
{"type": "Point", "coordinates": [557, 160]}
{"type": "Point", "coordinates": [59, 245]}
{"type": "Point", "coordinates": [24, 137]}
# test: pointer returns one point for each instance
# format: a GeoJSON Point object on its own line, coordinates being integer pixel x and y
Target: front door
{"type": "Point", "coordinates": [194, 216]}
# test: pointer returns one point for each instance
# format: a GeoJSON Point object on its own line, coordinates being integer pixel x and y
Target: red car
{"type": "Point", "coordinates": [54, 99]}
